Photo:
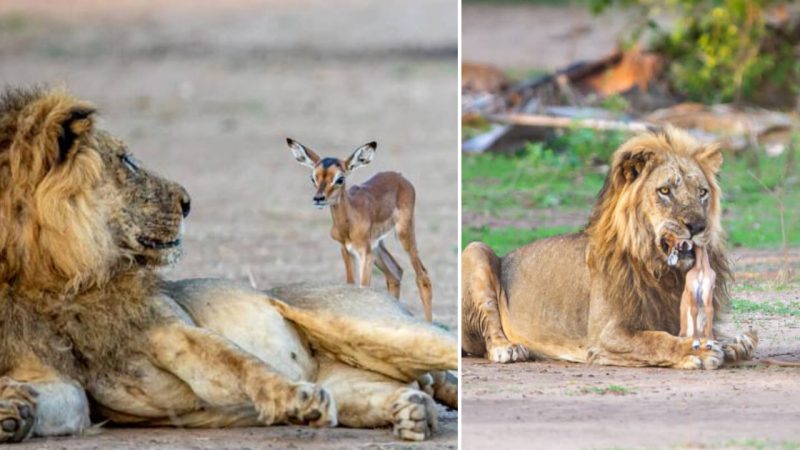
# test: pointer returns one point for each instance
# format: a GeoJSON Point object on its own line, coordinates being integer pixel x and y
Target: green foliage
{"type": "Point", "coordinates": [562, 173]}
{"type": "Point", "coordinates": [741, 306]}
{"type": "Point", "coordinates": [503, 240]}
{"type": "Point", "coordinates": [567, 175]}
{"type": "Point", "coordinates": [719, 50]}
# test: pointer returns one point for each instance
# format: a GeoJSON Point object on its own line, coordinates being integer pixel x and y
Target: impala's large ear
{"type": "Point", "coordinates": [362, 156]}
{"type": "Point", "coordinates": [303, 155]}
{"type": "Point", "coordinates": [710, 157]}
{"type": "Point", "coordinates": [78, 121]}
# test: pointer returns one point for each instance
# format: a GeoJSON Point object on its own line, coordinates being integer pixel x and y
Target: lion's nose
{"type": "Point", "coordinates": [695, 226]}
{"type": "Point", "coordinates": [186, 204]}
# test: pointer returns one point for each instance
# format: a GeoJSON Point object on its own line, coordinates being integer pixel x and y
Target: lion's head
{"type": "Point", "coordinates": [74, 204]}
{"type": "Point", "coordinates": [659, 184]}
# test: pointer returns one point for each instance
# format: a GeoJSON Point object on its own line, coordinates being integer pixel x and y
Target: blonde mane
{"type": "Point", "coordinates": [53, 220]}
{"type": "Point", "coordinates": [621, 242]}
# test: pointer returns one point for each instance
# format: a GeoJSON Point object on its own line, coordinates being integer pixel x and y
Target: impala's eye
{"type": "Point", "coordinates": [703, 192]}
{"type": "Point", "coordinates": [313, 180]}
{"type": "Point", "coordinates": [130, 163]}
{"type": "Point", "coordinates": [340, 180]}
{"type": "Point", "coordinates": [664, 191]}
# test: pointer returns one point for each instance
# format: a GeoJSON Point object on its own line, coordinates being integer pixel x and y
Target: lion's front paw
{"type": "Point", "coordinates": [742, 347]}
{"type": "Point", "coordinates": [705, 354]}
{"type": "Point", "coordinates": [412, 414]}
{"type": "Point", "coordinates": [312, 405]}
{"type": "Point", "coordinates": [508, 352]}
{"type": "Point", "coordinates": [17, 410]}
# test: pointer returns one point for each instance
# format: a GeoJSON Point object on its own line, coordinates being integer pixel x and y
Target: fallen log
{"type": "Point", "coordinates": [541, 121]}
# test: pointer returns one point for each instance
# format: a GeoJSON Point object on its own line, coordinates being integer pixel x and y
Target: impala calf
{"type": "Point", "coordinates": [364, 215]}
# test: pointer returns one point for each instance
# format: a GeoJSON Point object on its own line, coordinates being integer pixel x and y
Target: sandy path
{"type": "Point", "coordinates": [207, 95]}
{"type": "Point", "coordinates": [563, 405]}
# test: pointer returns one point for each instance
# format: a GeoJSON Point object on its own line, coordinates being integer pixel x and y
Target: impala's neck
{"type": "Point", "coordinates": [339, 210]}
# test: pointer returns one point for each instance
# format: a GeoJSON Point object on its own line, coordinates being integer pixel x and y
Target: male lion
{"type": "Point", "coordinates": [606, 295]}
{"type": "Point", "coordinates": [82, 311]}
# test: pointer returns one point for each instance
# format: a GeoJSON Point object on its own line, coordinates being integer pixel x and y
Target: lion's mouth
{"type": "Point", "coordinates": [158, 244]}
{"type": "Point", "coordinates": [686, 252]}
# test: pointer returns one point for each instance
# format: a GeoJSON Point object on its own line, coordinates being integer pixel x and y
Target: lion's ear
{"type": "Point", "coordinates": [77, 122]}
{"type": "Point", "coordinates": [631, 164]}
{"type": "Point", "coordinates": [710, 157]}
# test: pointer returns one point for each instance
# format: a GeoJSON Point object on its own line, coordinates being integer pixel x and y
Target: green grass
{"type": "Point", "coordinates": [568, 172]}
{"type": "Point", "coordinates": [612, 389]}
{"type": "Point", "coordinates": [741, 306]}
{"type": "Point", "coordinates": [503, 240]}
{"type": "Point", "coordinates": [758, 444]}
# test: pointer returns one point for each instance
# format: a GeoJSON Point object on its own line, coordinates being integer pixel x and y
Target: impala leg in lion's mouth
{"type": "Point", "coordinates": [697, 300]}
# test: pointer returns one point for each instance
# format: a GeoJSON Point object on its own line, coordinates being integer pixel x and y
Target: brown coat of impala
{"type": "Point", "coordinates": [364, 215]}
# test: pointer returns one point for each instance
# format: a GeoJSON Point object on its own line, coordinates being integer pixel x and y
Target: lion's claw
{"type": "Point", "coordinates": [17, 410]}
{"type": "Point", "coordinates": [742, 347]}
{"type": "Point", "coordinates": [413, 415]}
{"type": "Point", "coordinates": [506, 353]}
{"type": "Point", "coordinates": [314, 406]}
{"type": "Point", "coordinates": [705, 355]}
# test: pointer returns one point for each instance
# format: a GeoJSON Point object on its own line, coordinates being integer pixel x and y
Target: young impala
{"type": "Point", "coordinates": [365, 214]}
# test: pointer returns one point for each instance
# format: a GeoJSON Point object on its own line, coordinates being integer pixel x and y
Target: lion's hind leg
{"type": "Point", "coordinates": [481, 329]}
{"type": "Point", "coordinates": [224, 376]}
{"type": "Point", "coordinates": [442, 386]}
{"type": "Point", "coordinates": [367, 399]}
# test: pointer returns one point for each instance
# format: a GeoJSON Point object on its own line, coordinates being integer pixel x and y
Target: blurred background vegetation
{"type": "Point", "coordinates": [715, 51]}
{"type": "Point", "coordinates": [555, 183]}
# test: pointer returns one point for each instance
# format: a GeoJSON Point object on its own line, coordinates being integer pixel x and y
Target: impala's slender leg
{"type": "Point", "coordinates": [348, 265]}
{"type": "Point", "coordinates": [391, 270]}
{"type": "Point", "coordinates": [405, 233]}
{"type": "Point", "coordinates": [365, 267]}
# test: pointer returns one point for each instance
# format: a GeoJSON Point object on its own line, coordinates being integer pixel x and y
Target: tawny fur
{"type": "Point", "coordinates": [606, 295]}
{"type": "Point", "coordinates": [82, 230]}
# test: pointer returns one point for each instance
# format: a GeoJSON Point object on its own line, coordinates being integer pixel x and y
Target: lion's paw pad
{"type": "Point", "coordinates": [742, 347]}
{"type": "Point", "coordinates": [413, 415]}
{"type": "Point", "coordinates": [508, 353]}
{"type": "Point", "coordinates": [313, 406]}
{"type": "Point", "coordinates": [17, 410]}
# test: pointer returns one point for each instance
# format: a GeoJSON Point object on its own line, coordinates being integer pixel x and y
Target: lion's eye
{"type": "Point", "coordinates": [703, 192]}
{"type": "Point", "coordinates": [130, 163]}
{"type": "Point", "coordinates": [664, 191]}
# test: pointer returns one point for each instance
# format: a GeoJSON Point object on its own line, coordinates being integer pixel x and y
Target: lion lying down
{"type": "Point", "coordinates": [83, 312]}
{"type": "Point", "coordinates": [607, 295]}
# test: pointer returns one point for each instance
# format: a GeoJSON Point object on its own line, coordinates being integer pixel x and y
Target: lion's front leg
{"type": "Point", "coordinates": [37, 400]}
{"type": "Point", "coordinates": [17, 410]}
{"type": "Point", "coordinates": [223, 375]}
{"type": "Point", "coordinates": [481, 328]}
{"type": "Point", "coordinates": [654, 348]}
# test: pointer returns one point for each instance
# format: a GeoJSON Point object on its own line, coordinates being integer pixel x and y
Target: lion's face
{"type": "Point", "coordinates": [675, 199]}
{"type": "Point", "coordinates": [74, 204]}
{"type": "Point", "coordinates": [148, 222]}
{"type": "Point", "coordinates": [660, 188]}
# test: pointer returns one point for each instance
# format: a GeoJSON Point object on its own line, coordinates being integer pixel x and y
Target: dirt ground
{"type": "Point", "coordinates": [206, 94]}
{"type": "Point", "coordinates": [565, 405]}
